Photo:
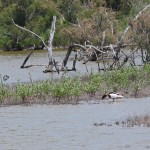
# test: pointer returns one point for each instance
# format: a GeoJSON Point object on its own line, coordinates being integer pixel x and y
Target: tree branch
{"type": "Point", "coordinates": [30, 32]}
{"type": "Point", "coordinates": [128, 27]}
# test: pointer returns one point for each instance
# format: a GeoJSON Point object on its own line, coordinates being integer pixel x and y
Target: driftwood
{"type": "Point", "coordinates": [90, 52]}
{"type": "Point", "coordinates": [84, 50]}
{"type": "Point", "coordinates": [102, 49]}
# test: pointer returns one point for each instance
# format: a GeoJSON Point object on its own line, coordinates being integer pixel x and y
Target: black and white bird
{"type": "Point", "coordinates": [112, 95]}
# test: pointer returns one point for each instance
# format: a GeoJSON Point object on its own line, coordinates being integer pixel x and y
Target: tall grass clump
{"type": "Point", "coordinates": [126, 78]}
{"type": "Point", "coordinates": [4, 92]}
{"type": "Point", "coordinates": [22, 91]}
{"type": "Point", "coordinates": [67, 87]}
{"type": "Point", "coordinates": [37, 89]}
{"type": "Point", "coordinates": [146, 70]}
{"type": "Point", "coordinates": [44, 87]}
{"type": "Point", "coordinates": [93, 83]}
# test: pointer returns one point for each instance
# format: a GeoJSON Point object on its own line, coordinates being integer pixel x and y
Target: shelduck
{"type": "Point", "coordinates": [112, 96]}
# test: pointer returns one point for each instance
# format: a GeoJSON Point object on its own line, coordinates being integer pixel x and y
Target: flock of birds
{"type": "Point", "coordinates": [112, 96]}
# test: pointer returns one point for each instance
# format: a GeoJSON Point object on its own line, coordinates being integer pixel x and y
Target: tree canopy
{"type": "Point", "coordinates": [77, 21]}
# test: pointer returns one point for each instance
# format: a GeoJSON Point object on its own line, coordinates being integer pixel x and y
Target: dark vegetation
{"type": "Point", "coordinates": [94, 16]}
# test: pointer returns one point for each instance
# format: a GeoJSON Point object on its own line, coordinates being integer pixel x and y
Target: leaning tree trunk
{"type": "Point", "coordinates": [26, 59]}
{"type": "Point", "coordinates": [52, 62]}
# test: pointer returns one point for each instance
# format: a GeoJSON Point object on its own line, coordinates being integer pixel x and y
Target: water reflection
{"type": "Point", "coordinates": [64, 127]}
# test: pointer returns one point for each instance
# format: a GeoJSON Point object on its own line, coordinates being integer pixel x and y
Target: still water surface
{"type": "Point", "coordinates": [70, 127]}
{"type": "Point", "coordinates": [10, 65]}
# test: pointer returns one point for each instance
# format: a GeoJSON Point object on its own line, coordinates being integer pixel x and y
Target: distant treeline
{"type": "Point", "coordinates": [77, 21]}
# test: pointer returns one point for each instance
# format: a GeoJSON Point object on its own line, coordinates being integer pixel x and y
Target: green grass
{"type": "Point", "coordinates": [126, 79]}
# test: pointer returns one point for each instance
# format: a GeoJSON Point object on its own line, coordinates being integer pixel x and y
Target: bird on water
{"type": "Point", "coordinates": [112, 95]}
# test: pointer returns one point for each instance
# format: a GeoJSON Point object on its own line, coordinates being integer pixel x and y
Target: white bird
{"type": "Point", "coordinates": [112, 96]}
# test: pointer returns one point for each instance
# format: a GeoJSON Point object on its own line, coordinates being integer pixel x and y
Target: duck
{"type": "Point", "coordinates": [112, 95]}
{"type": "Point", "coordinates": [5, 77]}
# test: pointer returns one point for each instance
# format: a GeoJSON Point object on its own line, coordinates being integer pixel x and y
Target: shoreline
{"type": "Point", "coordinates": [130, 82]}
{"type": "Point", "coordinates": [73, 100]}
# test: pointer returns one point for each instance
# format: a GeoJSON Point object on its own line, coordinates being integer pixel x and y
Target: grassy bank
{"type": "Point", "coordinates": [129, 81]}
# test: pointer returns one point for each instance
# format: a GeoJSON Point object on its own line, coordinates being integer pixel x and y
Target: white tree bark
{"type": "Point", "coordinates": [50, 41]}
{"type": "Point", "coordinates": [30, 32]}
{"type": "Point", "coordinates": [49, 46]}
{"type": "Point", "coordinates": [103, 40]}
{"type": "Point", "coordinates": [113, 51]}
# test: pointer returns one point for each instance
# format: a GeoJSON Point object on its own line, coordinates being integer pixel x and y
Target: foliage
{"type": "Point", "coordinates": [67, 87]}
{"type": "Point", "coordinates": [94, 16]}
{"type": "Point", "coordinates": [128, 78]}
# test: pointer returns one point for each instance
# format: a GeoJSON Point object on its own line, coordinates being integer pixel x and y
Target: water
{"type": "Point", "coordinates": [10, 65]}
{"type": "Point", "coordinates": [70, 127]}
{"type": "Point", "coordinates": [66, 127]}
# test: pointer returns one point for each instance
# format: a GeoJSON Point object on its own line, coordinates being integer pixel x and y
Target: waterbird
{"type": "Point", "coordinates": [5, 77]}
{"type": "Point", "coordinates": [112, 95]}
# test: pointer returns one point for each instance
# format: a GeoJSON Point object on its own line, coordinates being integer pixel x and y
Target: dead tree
{"type": "Point", "coordinates": [52, 63]}
{"type": "Point", "coordinates": [121, 41]}
{"type": "Point", "coordinates": [116, 51]}
{"type": "Point", "coordinates": [70, 49]}
{"type": "Point", "coordinates": [88, 51]}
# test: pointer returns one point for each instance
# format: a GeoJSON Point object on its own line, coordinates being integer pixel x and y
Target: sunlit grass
{"type": "Point", "coordinates": [126, 79]}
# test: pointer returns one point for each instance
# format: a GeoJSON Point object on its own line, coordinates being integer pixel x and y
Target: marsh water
{"type": "Point", "coordinates": [10, 63]}
{"type": "Point", "coordinates": [71, 127]}
{"type": "Point", "coordinates": [66, 127]}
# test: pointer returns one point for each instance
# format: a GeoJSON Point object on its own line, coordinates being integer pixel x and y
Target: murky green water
{"type": "Point", "coordinates": [70, 127]}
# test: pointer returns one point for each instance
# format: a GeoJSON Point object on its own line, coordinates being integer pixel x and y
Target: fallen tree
{"type": "Point", "coordinates": [89, 52]}
{"type": "Point", "coordinates": [96, 53]}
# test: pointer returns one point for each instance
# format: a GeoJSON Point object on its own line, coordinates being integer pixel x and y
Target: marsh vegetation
{"type": "Point", "coordinates": [129, 81]}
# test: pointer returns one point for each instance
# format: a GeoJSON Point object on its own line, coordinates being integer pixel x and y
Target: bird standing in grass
{"type": "Point", "coordinates": [112, 96]}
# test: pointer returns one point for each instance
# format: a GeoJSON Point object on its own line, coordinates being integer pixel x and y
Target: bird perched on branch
{"type": "Point", "coordinates": [112, 96]}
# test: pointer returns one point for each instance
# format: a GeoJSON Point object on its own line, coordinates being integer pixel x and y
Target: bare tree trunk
{"type": "Point", "coordinates": [70, 49]}
{"type": "Point", "coordinates": [26, 59]}
{"type": "Point", "coordinates": [48, 47]}
{"type": "Point", "coordinates": [67, 56]}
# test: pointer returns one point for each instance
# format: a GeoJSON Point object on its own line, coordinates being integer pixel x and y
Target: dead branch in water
{"type": "Point", "coordinates": [90, 52]}
{"type": "Point", "coordinates": [26, 59]}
